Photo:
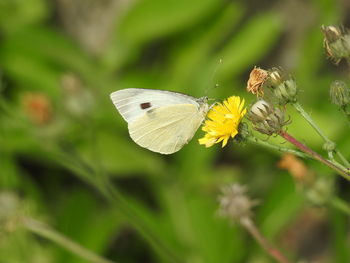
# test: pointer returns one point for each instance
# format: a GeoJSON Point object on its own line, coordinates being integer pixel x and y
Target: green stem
{"type": "Point", "coordinates": [266, 144]}
{"type": "Point", "coordinates": [308, 118]}
{"type": "Point", "coordinates": [346, 112]}
{"type": "Point", "coordinates": [342, 158]}
{"type": "Point", "coordinates": [47, 232]}
{"type": "Point", "coordinates": [315, 155]}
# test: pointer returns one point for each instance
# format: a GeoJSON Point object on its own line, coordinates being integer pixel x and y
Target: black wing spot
{"type": "Point", "coordinates": [145, 105]}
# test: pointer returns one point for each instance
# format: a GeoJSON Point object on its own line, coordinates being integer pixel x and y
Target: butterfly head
{"type": "Point", "coordinates": [203, 105]}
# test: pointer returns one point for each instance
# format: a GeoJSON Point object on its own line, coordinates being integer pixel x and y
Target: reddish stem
{"type": "Point", "coordinates": [313, 154]}
{"type": "Point", "coordinates": [272, 251]}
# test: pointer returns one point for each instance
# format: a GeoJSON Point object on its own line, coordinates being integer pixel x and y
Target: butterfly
{"type": "Point", "coordinates": [158, 120]}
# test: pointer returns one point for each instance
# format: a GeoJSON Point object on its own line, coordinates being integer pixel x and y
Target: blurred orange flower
{"type": "Point", "coordinates": [37, 107]}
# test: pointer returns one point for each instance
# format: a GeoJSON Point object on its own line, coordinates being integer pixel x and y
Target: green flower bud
{"type": "Point", "coordinates": [336, 42]}
{"type": "Point", "coordinates": [286, 92]}
{"type": "Point", "coordinates": [321, 191]}
{"type": "Point", "coordinates": [339, 93]}
{"type": "Point", "coordinates": [283, 86]}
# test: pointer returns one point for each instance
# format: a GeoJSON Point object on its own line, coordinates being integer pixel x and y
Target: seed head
{"type": "Point", "coordinates": [266, 118]}
{"type": "Point", "coordinates": [234, 203]}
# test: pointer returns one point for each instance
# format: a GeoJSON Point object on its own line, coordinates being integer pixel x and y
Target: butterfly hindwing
{"type": "Point", "coordinates": [166, 129]}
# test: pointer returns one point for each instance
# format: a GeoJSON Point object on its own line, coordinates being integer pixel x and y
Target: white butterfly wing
{"type": "Point", "coordinates": [132, 103]}
{"type": "Point", "coordinates": [166, 129]}
{"type": "Point", "coordinates": [158, 120]}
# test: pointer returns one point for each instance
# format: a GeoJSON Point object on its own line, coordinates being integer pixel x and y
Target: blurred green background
{"type": "Point", "coordinates": [66, 158]}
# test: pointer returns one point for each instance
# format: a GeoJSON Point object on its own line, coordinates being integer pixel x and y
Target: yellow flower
{"type": "Point", "coordinates": [223, 120]}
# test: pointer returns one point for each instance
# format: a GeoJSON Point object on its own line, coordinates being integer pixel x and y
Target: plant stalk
{"type": "Point", "coordinates": [47, 232]}
{"type": "Point", "coordinates": [315, 155]}
{"type": "Point", "coordinates": [272, 251]}
{"type": "Point", "coordinates": [346, 112]}
{"type": "Point", "coordinates": [278, 148]}
{"type": "Point", "coordinates": [308, 118]}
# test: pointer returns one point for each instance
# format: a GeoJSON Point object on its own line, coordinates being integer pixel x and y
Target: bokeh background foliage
{"type": "Point", "coordinates": [66, 157]}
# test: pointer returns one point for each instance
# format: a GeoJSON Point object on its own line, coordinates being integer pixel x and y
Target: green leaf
{"type": "Point", "coordinates": [16, 14]}
{"type": "Point", "coordinates": [82, 219]}
{"type": "Point", "coordinates": [150, 19]}
{"type": "Point", "coordinates": [120, 156]}
{"type": "Point", "coordinates": [249, 45]}
{"type": "Point", "coordinates": [279, 207]}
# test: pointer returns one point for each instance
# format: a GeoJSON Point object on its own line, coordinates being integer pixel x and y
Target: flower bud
{"type": "Point", "coordinates": [276, 77]}
{"type": "Point", "coordinates": [286, 92]}
{"type": "Point", "coordinates": [283, 86]}
{"type": "Point", "coordinates": [266, 118]}
{"type": "Point", "coordinates": [336, 42]}
{"type": "Point", "coordinates": [321, 191]}
{"type": "Point", "coordinates": [78, 100]}
{"type": "Point", "coordinates": [339, 93]}
{"type": "Point", "coordinates": [260, 110]}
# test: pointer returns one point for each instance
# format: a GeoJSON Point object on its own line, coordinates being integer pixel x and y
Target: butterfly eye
{"type": "Point", "coordinates": [145, 105]}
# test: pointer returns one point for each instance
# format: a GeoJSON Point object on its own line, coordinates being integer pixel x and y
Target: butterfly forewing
{"type": "Point", "coordinates": [132, 103]}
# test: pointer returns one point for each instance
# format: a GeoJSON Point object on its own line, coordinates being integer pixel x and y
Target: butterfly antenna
{"type": "Point", "coordinates": [213, 83]}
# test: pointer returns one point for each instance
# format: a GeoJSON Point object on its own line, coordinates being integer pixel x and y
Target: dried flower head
{"type": "Point", "coordinates": [266, 118]}
{"type": "Point", "coordinates": [256, 81]}
{"type": "Point", "coordinates": [223, 121]}
{"type": "Point", "coordinates": [234, 203]}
